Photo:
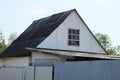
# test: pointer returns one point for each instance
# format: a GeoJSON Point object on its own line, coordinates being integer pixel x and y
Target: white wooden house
{"type": "Point", "coordinates": [59, 37]}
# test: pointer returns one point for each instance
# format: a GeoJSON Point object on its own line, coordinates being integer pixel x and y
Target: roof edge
{"type": "Point", "coordinates": [74, 54]}
{"type": "Point", "coordinates": [36, 49]}
{"type": "Point", "coordinates": [90, 31]}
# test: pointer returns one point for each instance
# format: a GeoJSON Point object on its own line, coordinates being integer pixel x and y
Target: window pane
{"type": "Point", "coordinates": [76, 42]}
{"type": "Point", "coordinates": [70, 31]}
{"type": "Point", "coordinates": [41, 62]}
{"type": "Point", "coordinates": [69, 42]}
{"type": "Point", "coordinates": [69, 36]}
{"type": "Point", "coordinates": [77, 31]}
{"type": "Point", "coordinates": [76, 37]}
{"type": "Point", "coordinates": [73, 37]}
{"type": "Point", "coordinates": [73, 31]}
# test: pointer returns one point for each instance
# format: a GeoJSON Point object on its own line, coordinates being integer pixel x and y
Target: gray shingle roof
{"type": "Point", "coordinates": [34, 35]}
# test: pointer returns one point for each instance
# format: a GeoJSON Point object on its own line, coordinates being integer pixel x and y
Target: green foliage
{"type": "Point", "coordinates": [118, 49]}
{"type": "Point", "coordinates": [112, 51]}
{"type": "Point", "coordinates": [2, 42]}
{"type": "Point", "coordinates": [12, 37]}
{"type": "Point", "coordinates": [2, 46]}
{"type": "Point", "coordinates": [105, 41]}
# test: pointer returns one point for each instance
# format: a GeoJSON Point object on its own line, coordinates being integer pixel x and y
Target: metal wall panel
{"type": "Point", "coordinates": [88, 70]}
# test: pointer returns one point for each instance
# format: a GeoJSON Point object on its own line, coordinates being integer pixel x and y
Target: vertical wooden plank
{"type": "Point", "coordinates": [11, 73]}
{"type": "Point", "coordinates": [44, 73]}
{"type": "Point", "coordinates": [29, 73]}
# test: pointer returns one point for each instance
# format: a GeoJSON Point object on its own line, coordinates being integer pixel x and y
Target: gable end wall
{"type": "Point", "coordinates": [58, 39]}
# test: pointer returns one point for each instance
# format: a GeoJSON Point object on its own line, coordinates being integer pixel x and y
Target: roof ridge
{"type": "Point", "coordinates": [55, 14]}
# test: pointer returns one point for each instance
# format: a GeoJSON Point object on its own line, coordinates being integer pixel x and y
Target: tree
{"type": "Point", "coordinates": [105, 41]}
{"type": "Point", "coordinates": [12, 37]}
{"type": "Point", "coordinates": [2, 42]}
{"type": "Point", "coordinates": [118, 49]}
{"type": "Point", "coordinates": [112, 50]}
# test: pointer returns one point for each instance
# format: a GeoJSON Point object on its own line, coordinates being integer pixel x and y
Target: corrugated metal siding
{"type": "Point", "coordinates": [88, 70]}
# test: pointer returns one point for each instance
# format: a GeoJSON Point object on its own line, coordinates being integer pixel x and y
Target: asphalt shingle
{"type": "Point", "coordinates": [34, 35]}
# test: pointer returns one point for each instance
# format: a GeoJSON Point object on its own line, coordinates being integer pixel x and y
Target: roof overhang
{"type": "Point", "coordinates": [74, 54]}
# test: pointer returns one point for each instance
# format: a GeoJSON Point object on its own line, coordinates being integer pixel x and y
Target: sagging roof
{"type": "Point", "coordinates": [75, 54]}
{"type": "Point", "coordinates": [35, 34]}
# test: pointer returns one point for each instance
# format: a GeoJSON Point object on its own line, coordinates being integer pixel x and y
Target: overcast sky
{"type": "Point", "coordinates": [100, 15]}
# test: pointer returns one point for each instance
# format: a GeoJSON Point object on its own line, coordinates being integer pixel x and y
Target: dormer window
{"type": "Point", "coordinates": [73, 37]}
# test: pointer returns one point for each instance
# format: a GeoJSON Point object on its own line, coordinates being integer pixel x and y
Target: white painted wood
{"type": "Point", "coordinates": [16, 61]}
{"type": "Point", "coordinates": [24, 61]}
{"type": "Point", "coordinates": [58, 39]}
{"type": "Point", "coordinates": [26, 73]}
{"type": "Point", "coordinates": [29, 73]}
{"type": "Point", "coordinates": [42, 56]}
{"type": "Point", "coordinates": [12, 74]}
{"type": "Point", "coordinates": [43, 73]}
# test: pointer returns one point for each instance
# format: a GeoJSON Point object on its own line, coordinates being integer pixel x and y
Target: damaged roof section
{"type": "Point", "coordinates": [76, 54]}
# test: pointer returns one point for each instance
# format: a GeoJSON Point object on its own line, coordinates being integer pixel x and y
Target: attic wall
{"type": "Point", "coordinates": [58, 39]}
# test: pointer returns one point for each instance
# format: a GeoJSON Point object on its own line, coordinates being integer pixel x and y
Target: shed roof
{"type": "Point", "coordinates": [75, 54]}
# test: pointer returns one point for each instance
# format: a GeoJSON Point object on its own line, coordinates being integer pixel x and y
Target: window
{"type": "Point", "coordinates": [73, 37]}
{"type": "Point", "coordinates": [44, 62]}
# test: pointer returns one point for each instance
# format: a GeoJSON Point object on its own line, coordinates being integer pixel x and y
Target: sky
{"type": "Point", "coordinates": [100, 15]}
